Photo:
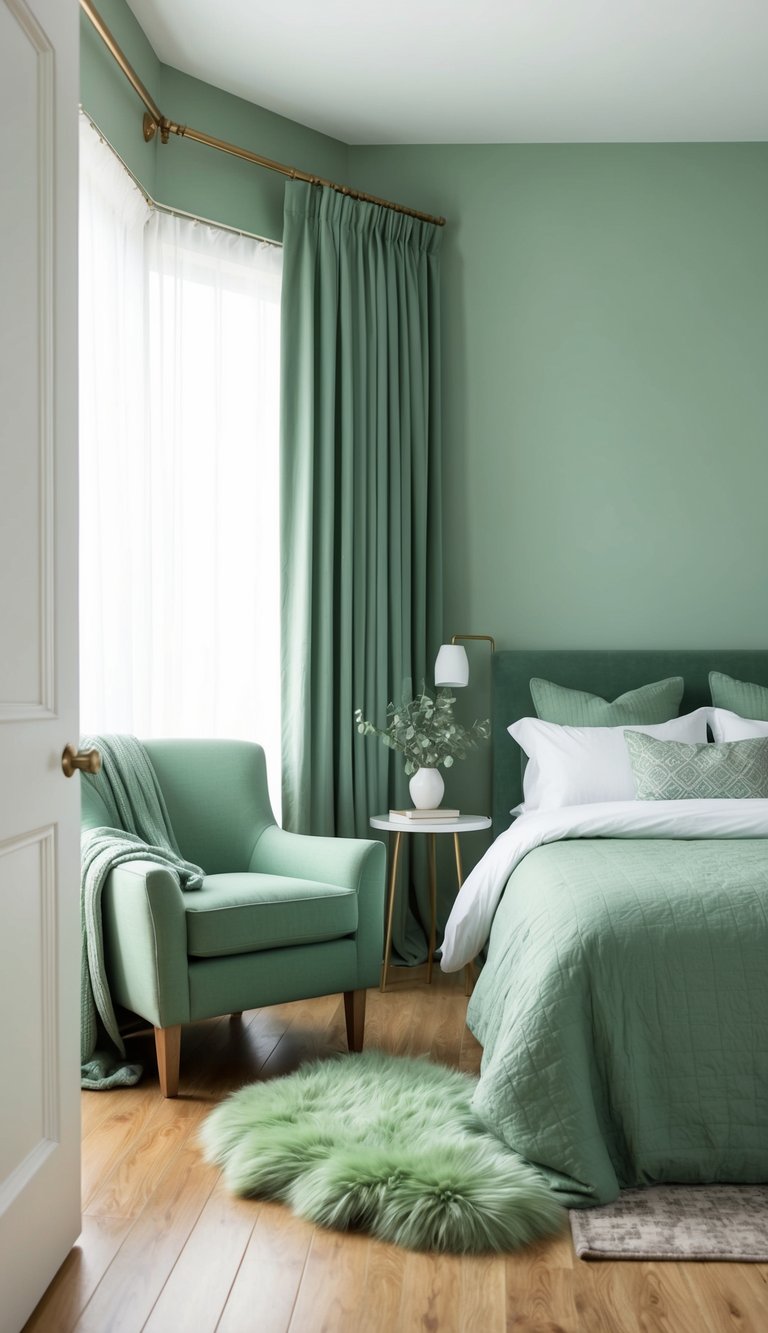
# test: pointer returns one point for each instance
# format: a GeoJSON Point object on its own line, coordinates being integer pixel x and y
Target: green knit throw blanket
{"type": "Point", "coordinates": [138, 829]}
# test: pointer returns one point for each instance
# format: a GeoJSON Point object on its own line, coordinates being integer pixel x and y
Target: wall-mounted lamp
{"type": "Point", "coordinates": [452, 664]}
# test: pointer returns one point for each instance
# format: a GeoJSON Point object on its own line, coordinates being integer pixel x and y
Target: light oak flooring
{"type": "Point", "coordinates": [166, 1250]}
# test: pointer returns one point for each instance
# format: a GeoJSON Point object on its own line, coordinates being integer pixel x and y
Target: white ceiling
{"type": "Point", "coordinates": [487, 71]}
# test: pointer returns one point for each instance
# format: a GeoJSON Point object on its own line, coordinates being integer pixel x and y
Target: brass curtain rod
{"type": "Point", "coordinates": [154, 120]}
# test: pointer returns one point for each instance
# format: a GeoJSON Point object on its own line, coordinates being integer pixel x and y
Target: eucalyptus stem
{"type": "Point", "coordinates": [424, 730]}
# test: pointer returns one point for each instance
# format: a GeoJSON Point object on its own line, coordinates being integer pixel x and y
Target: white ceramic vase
{"type": "Point", "coordinates": [426, 788]}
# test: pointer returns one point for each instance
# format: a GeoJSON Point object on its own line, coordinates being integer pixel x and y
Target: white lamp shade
{"type": "Point", "coordinates": [452, 666]}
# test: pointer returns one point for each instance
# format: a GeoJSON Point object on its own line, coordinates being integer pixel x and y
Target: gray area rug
{"type": "Point", "coordinates": [715, 1222]}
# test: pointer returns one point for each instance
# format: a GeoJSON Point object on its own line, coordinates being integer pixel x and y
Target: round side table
{"type": "Point", "coordinates": [399, 826]}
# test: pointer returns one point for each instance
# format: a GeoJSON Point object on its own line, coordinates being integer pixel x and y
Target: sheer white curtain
{"type": "Point", "coordinates": [179, 392]}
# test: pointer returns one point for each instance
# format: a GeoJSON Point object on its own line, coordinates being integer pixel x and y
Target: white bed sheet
{"type": "Point", "coordinates": [469, 923]}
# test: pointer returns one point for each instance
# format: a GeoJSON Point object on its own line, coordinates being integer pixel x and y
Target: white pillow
{"type": "Point", "coordinates": [728, 726]}
{"type": "Point", "coordinates": [582, 765]}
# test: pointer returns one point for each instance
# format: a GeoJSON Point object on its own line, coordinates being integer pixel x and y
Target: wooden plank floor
{"type": "Point", "coordinates": [165, 1249]}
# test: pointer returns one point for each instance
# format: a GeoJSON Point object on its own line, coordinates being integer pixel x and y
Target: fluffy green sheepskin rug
{"type": "Point", "coordinates": [385, 1145]}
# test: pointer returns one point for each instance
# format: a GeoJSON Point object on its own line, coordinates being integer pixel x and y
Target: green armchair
{"type": "Point", "coordinates": [280, 916]}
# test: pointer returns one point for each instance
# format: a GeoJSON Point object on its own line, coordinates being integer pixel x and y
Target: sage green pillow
{"type": "Point", "coordinates": [659, 702]}
{"type": "Point", "coordinates": [739, 696]}
{"type": "Point", "coordinates": [671, 771]}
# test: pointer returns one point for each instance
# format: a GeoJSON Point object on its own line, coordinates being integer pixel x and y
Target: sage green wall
{"type": "Point", "coordinates": [183, 174]}
{"type": "Point", "coordinates": [605, 326]}
{"type": "Point", "coordinates": [606, 388]}
{"type": "Point", "coordinates": [605, 343]}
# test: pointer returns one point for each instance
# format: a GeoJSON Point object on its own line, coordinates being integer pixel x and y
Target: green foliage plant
{"type": "Point", "coordinates": [424, 730]}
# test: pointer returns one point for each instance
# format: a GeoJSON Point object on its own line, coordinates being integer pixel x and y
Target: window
{"type": "Point", "coordinates": [179, 354]}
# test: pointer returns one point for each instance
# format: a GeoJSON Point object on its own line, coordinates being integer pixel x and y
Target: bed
{"type": "Point", "coordinates": [623, 1005]}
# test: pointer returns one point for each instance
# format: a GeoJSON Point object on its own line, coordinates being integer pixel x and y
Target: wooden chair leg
{"type": "Point", "coordinates": [354, 1013]}
{"type": "Point", "coordinates": [234, 1017]}
{"type": "Point", "coordinates": [168, 1048]}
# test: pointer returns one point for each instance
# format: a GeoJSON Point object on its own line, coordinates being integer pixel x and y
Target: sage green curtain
{"type": "Point", "coordinates": [361, 559]}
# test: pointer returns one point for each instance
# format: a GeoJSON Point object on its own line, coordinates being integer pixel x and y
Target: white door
{"type": "Point", "coordinates": [39, 807]}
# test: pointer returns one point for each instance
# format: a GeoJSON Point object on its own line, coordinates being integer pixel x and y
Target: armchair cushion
{"type": "Point", "coordinates": [246, 913]}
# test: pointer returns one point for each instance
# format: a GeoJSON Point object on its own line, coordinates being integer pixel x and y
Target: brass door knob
{"type": "Point", "coordinates": [89, 761]}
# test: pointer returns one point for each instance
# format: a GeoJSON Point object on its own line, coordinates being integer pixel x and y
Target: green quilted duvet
{"type": "Point", "coordinates": [623, 1010]}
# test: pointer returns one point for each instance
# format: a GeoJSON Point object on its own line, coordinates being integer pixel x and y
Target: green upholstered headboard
{"type": "Point", "coordinates": [604, 671]}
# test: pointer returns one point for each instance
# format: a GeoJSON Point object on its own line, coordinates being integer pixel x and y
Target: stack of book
{"type": "Point", "coordinates": [431, 816]}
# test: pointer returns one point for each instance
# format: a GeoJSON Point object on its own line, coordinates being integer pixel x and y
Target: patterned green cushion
{"type": "Point", "coordinates": [739, 696]}
{"type": "Point", "coordinates": [670, 771]}
{"type": "Point", "coordinates": [658, 702]}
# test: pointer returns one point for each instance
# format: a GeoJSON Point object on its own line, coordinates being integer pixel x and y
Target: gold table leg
{"type": "Point", "coordinates": [432, 906]}
{"type": "Point", "coordinates": [390, 911]}
{"type": "Point", "coordinates": [457, 850]}
{"type": "Point", "coordinates": [469, 969]}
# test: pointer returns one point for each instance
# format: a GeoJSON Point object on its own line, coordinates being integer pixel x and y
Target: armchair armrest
{"type": "Point", "coordinates": [352, 863]}
{"type": "Point", "coordinates": [348, 862]}
{"type": "Point", "coordinates": [145, 937]}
